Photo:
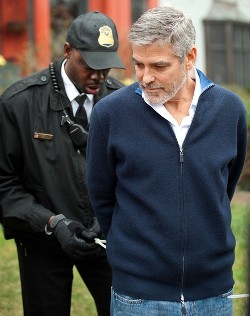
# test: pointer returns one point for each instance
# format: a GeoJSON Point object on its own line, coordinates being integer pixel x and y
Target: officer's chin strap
{"type": "Point", "coordinates": [100, 242]}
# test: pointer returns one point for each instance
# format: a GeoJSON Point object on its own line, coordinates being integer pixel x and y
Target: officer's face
{"type": "Point", "coordinates": [86, 79]}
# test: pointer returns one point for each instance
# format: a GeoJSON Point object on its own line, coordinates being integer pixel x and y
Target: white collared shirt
{"type": "Point", "coordinates": [72, 93]}
{"type": "Point", "coordinates": [182, 129]}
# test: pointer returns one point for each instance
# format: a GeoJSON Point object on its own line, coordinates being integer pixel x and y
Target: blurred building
{"type": "Point", "coordinates": [223, 38]}
{"type": "Point", "coordinates": [32, 31]}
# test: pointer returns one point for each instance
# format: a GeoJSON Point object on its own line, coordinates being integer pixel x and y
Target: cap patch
{"type": "Point", "coordinates": [106, 36]}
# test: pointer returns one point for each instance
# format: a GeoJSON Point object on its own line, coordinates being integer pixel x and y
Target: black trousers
{"type": "Point", "coordinates": [46, 278]}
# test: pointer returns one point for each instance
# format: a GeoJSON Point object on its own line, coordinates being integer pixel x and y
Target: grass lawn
{"type": "Point", "coordinates": [240, 225]}
{"type": "Point", "coordinates": [82, 303]}
{"type": "Point", "coordinates": [10, 291]}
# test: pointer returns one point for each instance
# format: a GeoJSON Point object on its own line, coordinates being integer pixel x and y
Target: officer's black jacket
{"type": "Point", "coordinates": [40, 177]}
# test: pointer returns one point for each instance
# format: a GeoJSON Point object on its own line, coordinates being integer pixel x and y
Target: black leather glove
{"type": "Point", "coordinates": [70, 236]}
{"type": "Point", "coordinates": [92, 231]}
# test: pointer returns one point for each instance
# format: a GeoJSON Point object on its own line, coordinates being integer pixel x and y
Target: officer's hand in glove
{"type": "Point", "coordinates": [69, 235]}
{"type": "Point", "coordinates": [91, 232]}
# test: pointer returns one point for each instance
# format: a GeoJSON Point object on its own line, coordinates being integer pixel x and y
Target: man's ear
{"type": "Point", "coordinates": [191, 58]}
{"type": "Point", "coordinates": [67, 50]}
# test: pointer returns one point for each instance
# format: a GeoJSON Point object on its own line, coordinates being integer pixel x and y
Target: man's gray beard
{"type": "Point", "coordinates": [162, 99]}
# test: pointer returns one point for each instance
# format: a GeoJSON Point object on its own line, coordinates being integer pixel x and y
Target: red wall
{"type": "Point", "coordinates": [17, 27]}
{"type": "Point", "coordinates": [13, 23]}
{"type": "Point", "coordinates": [42, 32]}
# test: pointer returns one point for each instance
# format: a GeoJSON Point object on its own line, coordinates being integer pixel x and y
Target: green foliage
{"type": "Point", "coordinates": [244, 94]}
{"type": "Point", "coordinates": [240, 225]}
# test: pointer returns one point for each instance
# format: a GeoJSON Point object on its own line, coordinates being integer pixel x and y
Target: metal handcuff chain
{"type": "Point", "coordinates": [77, 133]}
{"type": "Point", "coordinates": [101, 242]}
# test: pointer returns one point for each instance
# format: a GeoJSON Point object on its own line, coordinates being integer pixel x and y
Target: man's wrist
{"type": "Point", "coordinates": [54, 219]}
{"type": "Point", "coordinates": [50, 219]}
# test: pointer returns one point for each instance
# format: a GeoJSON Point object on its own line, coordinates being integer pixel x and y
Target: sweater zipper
{"type": "Point", "coordinates": [183, 305]}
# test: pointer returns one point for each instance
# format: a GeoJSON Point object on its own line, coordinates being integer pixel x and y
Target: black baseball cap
{"type": "Point", "coordinates": [95, 36]}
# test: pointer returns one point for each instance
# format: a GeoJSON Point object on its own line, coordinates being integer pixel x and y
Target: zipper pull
{"type": "Point", "coordinates": [181, 155]}
{"type": "Point", "coordinates": [183, 306]}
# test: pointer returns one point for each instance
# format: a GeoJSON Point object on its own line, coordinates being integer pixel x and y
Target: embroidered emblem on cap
{"type": "Point", "coordinates": [106, 36]}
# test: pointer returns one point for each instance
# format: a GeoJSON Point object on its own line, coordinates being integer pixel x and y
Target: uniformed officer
{"type": "Point", "coordinates": [43, 195]}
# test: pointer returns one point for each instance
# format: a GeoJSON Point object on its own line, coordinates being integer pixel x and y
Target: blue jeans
{"type": "Point", "coordinates": [122, 305]}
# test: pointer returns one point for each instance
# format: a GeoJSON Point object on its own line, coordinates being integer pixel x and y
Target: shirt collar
{"type": "Point", "coordinates": [70, 88]}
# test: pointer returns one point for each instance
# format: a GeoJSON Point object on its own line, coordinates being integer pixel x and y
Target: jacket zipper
{"type": "Point", "coordinates": [183, 306]}
{"type": "Point", "coordinates": [182, 299]}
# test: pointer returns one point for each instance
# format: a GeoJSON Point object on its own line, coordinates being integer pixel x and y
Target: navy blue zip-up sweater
{"type": "Point", "coordinates": [164, 210]}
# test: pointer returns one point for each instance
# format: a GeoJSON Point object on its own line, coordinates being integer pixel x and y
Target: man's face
{"type": "Point", "coordinates": [159, 72]}
{"type": "Point", "coordinates": [86, 79]}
